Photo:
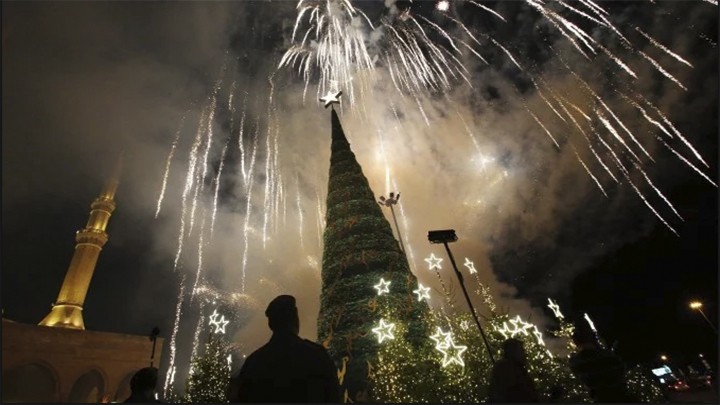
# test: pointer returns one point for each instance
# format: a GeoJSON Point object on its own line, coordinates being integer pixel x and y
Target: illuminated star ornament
{"type": "Point", "coordinates": [451, 352]}
{"type": "Point", "coordinates": [383, 287]}
{"type": "Point", "coordinates": [331, 98]}
{"type": "Point", "coordinates": [434, 262]}
{"type": "Point", "coordinates": [441, 338]}
{"type": "Point", "coordinates": [555, 308]}
{"type": "Point", "coordinates": [520, 326]}
{"type": "Point", "coordinates": [470, 265]}
{"type": "Point", "coordinates": [219, 324]}
{"type": "Point", "coordinates": [384, 331]}
{"type": "Point", "coordinates": [538, 336]}
{"type": "Point", "coordinates": [422, 292]}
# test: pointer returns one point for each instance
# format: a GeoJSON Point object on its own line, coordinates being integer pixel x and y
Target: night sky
{"type": "Point", "coordinates": [81, 81]}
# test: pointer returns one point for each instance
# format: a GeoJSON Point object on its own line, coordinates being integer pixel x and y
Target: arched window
{"type": "Point", "coordinates": [29, 383]}
{"type": "Point", "coordinates": [88, 388]}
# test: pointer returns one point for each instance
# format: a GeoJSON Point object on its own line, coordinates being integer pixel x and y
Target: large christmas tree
{"type": "Point", "coordinates": [367, 295]}
{"type": "Point", "coordinates": [210, 374]}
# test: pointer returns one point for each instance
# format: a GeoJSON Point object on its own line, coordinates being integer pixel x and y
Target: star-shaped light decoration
{"type": "Point", "coordinates": [384, 331]}
{"type": "Point", "coordinates": [470, 265]}
{"type": "Point", "coordinates": [434, 262]}
{"type": "Point", "coordinates": [383, 287]}
{"type": "Point", "coordinates": [331, 98]}
{"type": "Point", "coordinates": [589, 321]}
{"type": "Point", "coordinates": [452, 353]}
{"type": "Point", "coordinates": [219, 324]}
{"type": "Point", "coordinates": [504, 330]}
{"type": "Point", "coordinates": [555, 308]}
{"type": "Point", "coordinates": [441, 338]}
{"type": "Point", "coordinates": [422, 292]}
{"type": "Point", "coordinates": [464, 325]}
{"type": "Point", "coordinates": [520, 326]}
{"type": "Point", "coordinates": [538, 336]}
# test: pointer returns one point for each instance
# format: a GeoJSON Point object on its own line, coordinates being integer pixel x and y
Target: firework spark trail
{"type": "Point", "coordinates": [217, 186]}
{"type": "Point", "coordinates": [173, 338]}
{"type": "Point", "coordinates": [469, 132]}
{"type": "Point", "coordinates": [320, 218]}
{"type": "Point", "coordinates": [278, 178]}
{"type": "Point", "coordinates": [627, 131]}
{"type": "Point", "coordinates": [614, 133]}
{"type": "Point", "coordinates": [248, 206]}
{"type": "Point", "coordinates": [543, 127]}
{"type": "Point", "coordinates": [661, 46]}
{"type": "Point", "coordinates": [681, 157]}
{"type": "Point", "coordinates": [642, 197]}
{"type": "Point", "coordinates": [589, 143]}
{"type": "Point", "coordinates": [201, 247]}
{"type": "Point", "coordinates": [300, 211]}
{"type": "Point", "coordinates": [198, 328]}
{"type": "Point", "coordinates": [241, 145]}
{"type": "Point", "coordinates": [589, 172]}
{"type": "Point", "coordinates": [167, 164]}
{"type": "Point", "coordinates": [188, 186]}
{"type": "Point", "coordinates": [662, 70]}
{"type": "Point", "coordinates": [675, 130]}
{"type": "Point", "coordinates": [542, 96]}
{"type": "Point", "coordinates": [659, 193]}
{"type": "Point", "coordinates": [383, 155]}
{"type": "Point", "coordinates": [474, 3]}
{"type": "Point", "coordinates": [713, 2]}
{"type": "Point", "coordinates": [268, 186]}
{"type": "Point", "coordinates": [645, 114]}
{"type": "Point", "coordinates": [406, 231]}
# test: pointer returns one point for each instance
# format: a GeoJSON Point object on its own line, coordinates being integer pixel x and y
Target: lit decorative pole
{"type": "Point", "coordinates": [697, 305]}
{"type": "Point", "coordinates": [445, 237]}
{"type": "Point", "coordinates": [390, 202]}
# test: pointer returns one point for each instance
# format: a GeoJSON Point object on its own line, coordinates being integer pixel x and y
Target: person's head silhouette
{"type": "Point", "coordinates": [142, 385]}
{"type": "Point", "coordinates": [513, 349]}
{"type": "Point", "coordinates": [283, 315]}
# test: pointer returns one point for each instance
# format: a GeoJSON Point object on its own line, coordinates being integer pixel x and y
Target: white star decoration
{"type": "Point", "coordinates": [384, 331]}
{"type": "Point", "coordinates": [422, 292]}
{"type": "Point", "coordinates": [538, 336]}
{"type": "Point", "coordinates": [451, 352]}
{"type": "Point", "coordinates": [383, 286]}
{"type": "Point", "coordinates": [219, 324]}
{"type": "Point", "coordinates": [589, 321]}
{"type": "Point", "coordinates": [555, 308]}
{"type": "Point", "coordinates": [441, 338]}
{"type": "Point", "coordinates": [331, 98]}
{"type": "Point", "coordinates": [520, 326]}
{"type": "Point", "coordinates": [434, 262]}
{"type": "Point", "coordinates": [470, 265]}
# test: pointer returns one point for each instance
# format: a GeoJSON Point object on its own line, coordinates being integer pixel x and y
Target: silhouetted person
{"type": "Point", "coordinates": [599, 369]}
{"type": "Point", "coordinates": [288, 368]}
{"type": "Point", "coordinates": [510, 381]}
{"type": "Point", "coordinates": [142, 386]}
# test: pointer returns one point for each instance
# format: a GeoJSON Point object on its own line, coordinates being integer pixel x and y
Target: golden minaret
{"type": "Point", "coordinates": [67, 309]}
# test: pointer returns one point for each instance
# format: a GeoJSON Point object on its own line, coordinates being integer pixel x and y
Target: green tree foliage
{"type": "Point", "coordinates": [210, 376]}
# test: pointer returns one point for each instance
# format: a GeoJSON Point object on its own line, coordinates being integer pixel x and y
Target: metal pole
{"type": "Point", "coordinates": [397, 228]}
{"type": "Point", "coordinates": [707, 320]}
{"type": "Point", "coordinates": [467, 297]}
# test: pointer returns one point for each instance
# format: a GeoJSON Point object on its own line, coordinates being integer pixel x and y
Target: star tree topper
{"type": "Point", "coordinates": [384, 331]}
{"type": "Point", "coordinates": [331, 98]}
{"type": "Point", "coordinates": [383, 287]}
{"type": "Point", "coordinates": [434, 262]}
{"type": "Point", "coordinates": [219, 324]}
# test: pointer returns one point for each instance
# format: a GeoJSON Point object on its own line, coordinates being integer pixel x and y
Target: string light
{"type": "Point", "coordinates": [383, 287]}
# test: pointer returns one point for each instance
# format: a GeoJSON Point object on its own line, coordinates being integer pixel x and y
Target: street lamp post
{"type": "Point", "coordinates": [445, 237]}
{"type": "Point", "coordinates": [697, 305]}
{"type": "Point", "coordinates": [390, 202]}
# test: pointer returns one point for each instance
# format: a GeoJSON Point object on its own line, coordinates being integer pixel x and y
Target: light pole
{"type": "Point", "coordinates": [153, 337]}
{"type": "Point", "coordinates": [445, 237]}
{"type": "Point", "coordinates": [697, 305]}
{"type": "Point", "coordinates": [390, 202]}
